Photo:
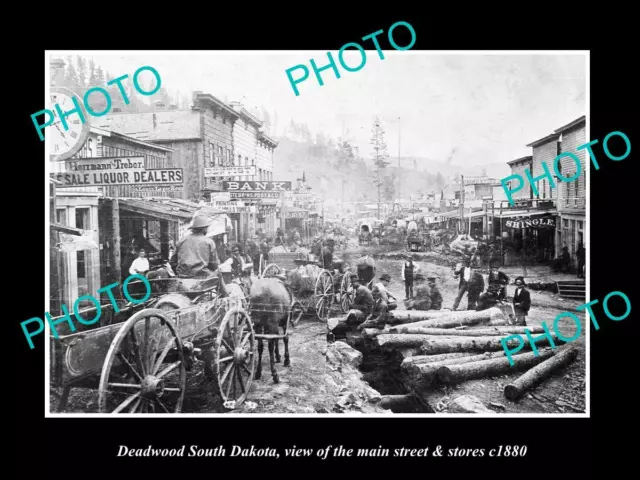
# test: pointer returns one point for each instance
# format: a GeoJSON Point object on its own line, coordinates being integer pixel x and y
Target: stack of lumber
{"type": "Point", "coordinates": [452, 347]}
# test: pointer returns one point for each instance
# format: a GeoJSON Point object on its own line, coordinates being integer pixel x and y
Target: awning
{"type": "Point", "coordinates": [521, 213]}
{"type": "Point", "coordinates": [157, 209]}
{"type": "Point", "coordinates": [456, 213]}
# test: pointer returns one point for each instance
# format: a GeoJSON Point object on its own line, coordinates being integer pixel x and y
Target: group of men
{"type": "Point", "coordinates": [376, 303]}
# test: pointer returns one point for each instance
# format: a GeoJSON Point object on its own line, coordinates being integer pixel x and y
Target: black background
{"type": "Point", "coordinates": [557, 448]}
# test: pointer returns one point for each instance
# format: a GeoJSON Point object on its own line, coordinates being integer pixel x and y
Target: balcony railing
{"type": "Point", "coordinates": [576, 202]}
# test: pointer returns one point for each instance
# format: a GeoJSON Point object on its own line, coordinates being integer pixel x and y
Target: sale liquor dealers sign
{"type": "Point", "coordinates": [106, 171]}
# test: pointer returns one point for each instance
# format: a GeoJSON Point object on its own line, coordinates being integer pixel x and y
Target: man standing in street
{"type": "Point", "coordinates": [580, 255]}
{"type": "Point", "coordinates": [409, 269]}
{"type": "Point", "coordinates": [196, 254]}
{"type": "Point", "coordinates": [521, 302]}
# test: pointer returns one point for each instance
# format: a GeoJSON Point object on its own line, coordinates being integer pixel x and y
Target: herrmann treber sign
{"type": "Point", "coordinates": [256, 186]}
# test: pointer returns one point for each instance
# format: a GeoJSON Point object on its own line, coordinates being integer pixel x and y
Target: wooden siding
{"type": "Point", "coordinates": [573, 194]}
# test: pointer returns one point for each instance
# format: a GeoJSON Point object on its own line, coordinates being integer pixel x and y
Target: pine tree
{"type": "Point", "coordinates": [71, 78]}
{"type": "Point", "coordinates": [92, 80]}
{"type": "Point", "coordinates": [82, 72]}
{"type": "Point", "coordinates": [380, 155]}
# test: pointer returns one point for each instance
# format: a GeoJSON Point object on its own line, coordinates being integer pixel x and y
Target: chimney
{"type": "Point", "coordinates": [56, 71]}
{"type": "Point", "coordinates": [237, 106]}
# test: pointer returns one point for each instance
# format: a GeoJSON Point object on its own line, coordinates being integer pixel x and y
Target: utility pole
{"type": "Point", "coordinates": [461, 229]}
{"type": "Point", "coordinates": [399, 171]}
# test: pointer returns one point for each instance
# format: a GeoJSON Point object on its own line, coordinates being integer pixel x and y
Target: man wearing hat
{"type": "Point", "coordinates": [422, 295]}
{"type": "Point", "coordinates": [436, 296]}
{"type": "Point", "coordinates": [363, 299]}
{"type": "Point", "coordinates": [385, 301]}
{"type": "Point", "coordinates": [521, 302]}
{"type": "Point", "coordinates": [196, 254]}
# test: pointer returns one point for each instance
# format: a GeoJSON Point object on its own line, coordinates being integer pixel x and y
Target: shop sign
{"type": "Point", "coordinates": [249, 170]}
{"type": "Point", "coordinates": [253, 195]}
{"type": "Point", "coordinates": [256, 186]}
{"type": "Point", "coordinates": [159, 190]}
{"type": "Point", "coordinates": [532, 223]}
{"type": "Point", "coordinates": [119, 177]}
{"type": "Point", "coordinates": [220, 197]}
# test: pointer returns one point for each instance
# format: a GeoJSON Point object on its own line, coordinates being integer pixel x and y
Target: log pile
{"type": "Point", "coordinates": [427, 349]}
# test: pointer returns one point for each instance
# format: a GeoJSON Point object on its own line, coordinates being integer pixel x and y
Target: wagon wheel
{"type": "Point", "coordinates": [296, 313]}
{"type": "Point", "coordinates": [324, 295]}
{"type": "Point", "coordinates": [271, 270]}
{"type": "Point", "coordinates": [346, 293]}
{"type": "Point", "coordinates": [234, 357]}
{"type": "Point", "coordinates": [141, 347]}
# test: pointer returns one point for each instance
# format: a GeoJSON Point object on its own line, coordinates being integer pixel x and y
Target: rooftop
{"type": "Point", "coordinates": [163, 125]}
{"type": "Point", "coordinates": [549, 138]}
{"type": "Point", "coordinates": [576, 123]}
{"type": "Point", "coordinates": [528, 158]}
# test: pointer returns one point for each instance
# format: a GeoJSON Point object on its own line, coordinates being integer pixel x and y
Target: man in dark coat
{"type": "Point", "coordinates": [422, 295]}
{"type": "Point", "coordinates": [580, 255]}
{"type": "Point", "coordinates": [363, 298]}
{"type": "Point", "coordinates": [471, 282]}
{"type": "Point", "coordinates": [436, 296]}
{"type": "Point", "coordinates": [521, 302]}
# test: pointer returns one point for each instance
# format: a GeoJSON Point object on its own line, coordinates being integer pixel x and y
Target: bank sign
{"type": "Point", "coordinates": [254, 186]}
{"type": "Point", "coordinates": [532, 223]}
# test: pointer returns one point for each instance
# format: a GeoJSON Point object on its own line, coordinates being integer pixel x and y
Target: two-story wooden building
{"type": "Point", "coordinates": [572, 196]}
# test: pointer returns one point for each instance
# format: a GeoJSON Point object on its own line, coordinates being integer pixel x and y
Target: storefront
{"type": "Point", "coordinates": [570, 231]}
{"type": "Point", "coordinates": [294, 218]}
{"type": "Point", "coordinates": [524, 234]}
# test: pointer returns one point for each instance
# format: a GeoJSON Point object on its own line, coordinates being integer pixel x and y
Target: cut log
{"type": "Point", "coordinates": [434, 345]}
{"type": "Point", "coordinates": [465, 317]}
{"type": "Point", "coordinates": [457, 319]}
{"type": "Point", "coordinates": [491, 368]}
{"type": "Point", "coordinates": [371, 332]}
{"type": "Point", "coordinates": [538, 373]}
{"type": "Point", "coordinates": [421, 375]}
{"type": "Point", "coordinates": [390, 341]}
{"type": "Point", "coordinates": [390, 402]}
{"type": "Point", "coordinates": [415, 359]}
{"type": "Point", "coordinates": [468, 332]}
{"type": "Point", "coordinates": [405, 353]}
{"type": "Point", "coordinates": [409, 316]}
{"type": "Point", "coordinates": [338, 324]}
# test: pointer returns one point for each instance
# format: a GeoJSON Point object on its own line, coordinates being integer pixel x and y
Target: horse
{"type": "Point", "coordinates": [270, 306]}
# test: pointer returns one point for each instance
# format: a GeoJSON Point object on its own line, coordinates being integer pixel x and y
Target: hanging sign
{"type": "Point", "coordinates": [120, 177]}
{"type": "Point", "coordinates": [249, 170]}
{"type": "Point", "coordinates": [302, 214]}
{"type": "Point", "coordinates": [256, 186]}
{"type": "Point", "coordinates": [532, 223]}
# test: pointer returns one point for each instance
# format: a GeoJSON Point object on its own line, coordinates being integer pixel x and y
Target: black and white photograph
{"type": "Point", "coordinates": [278, 233]}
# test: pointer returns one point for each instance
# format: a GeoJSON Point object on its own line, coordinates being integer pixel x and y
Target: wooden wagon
{"type": "Point", "coordinates": [137, 356]}
{"type": "Point", "coordinates": [328, 286]}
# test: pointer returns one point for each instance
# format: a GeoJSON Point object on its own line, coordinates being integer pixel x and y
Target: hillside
{"type": "Point", "coordinates": [326, 166]}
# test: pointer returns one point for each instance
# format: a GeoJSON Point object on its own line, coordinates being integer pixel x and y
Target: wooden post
{"type": "Point", "coordinates": [117, 260]}
{"type": "Point", "coordinates": [164, 238]}
{"type": "Point", "coordinates": [54, 259]}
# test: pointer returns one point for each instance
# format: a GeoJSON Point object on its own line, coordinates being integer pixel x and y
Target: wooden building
{"type": "Point", "coordinates": [572, 197]}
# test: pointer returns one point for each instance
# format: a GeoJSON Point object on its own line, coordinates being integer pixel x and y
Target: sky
{"type": "Point", "coordinates": [469, 109]}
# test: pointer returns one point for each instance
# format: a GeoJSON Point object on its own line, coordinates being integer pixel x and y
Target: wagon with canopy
{"type": "Point", "coordinates": [313, 287]}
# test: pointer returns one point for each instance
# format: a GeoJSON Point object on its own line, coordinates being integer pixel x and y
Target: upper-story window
{"type": "Point", "coordinates": [220, 155]}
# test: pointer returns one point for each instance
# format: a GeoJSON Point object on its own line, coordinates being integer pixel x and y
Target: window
{"type": "Point", "coordinates": [212, 155]}
{"type": "Point", "coordinates": [544, 188]}
{"type": "Point", "coordinates": [61, 216]}
{"type": "Point", "coordinates": [220, 155]}
{"type": "Point", "coordinates": [229, 157]}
